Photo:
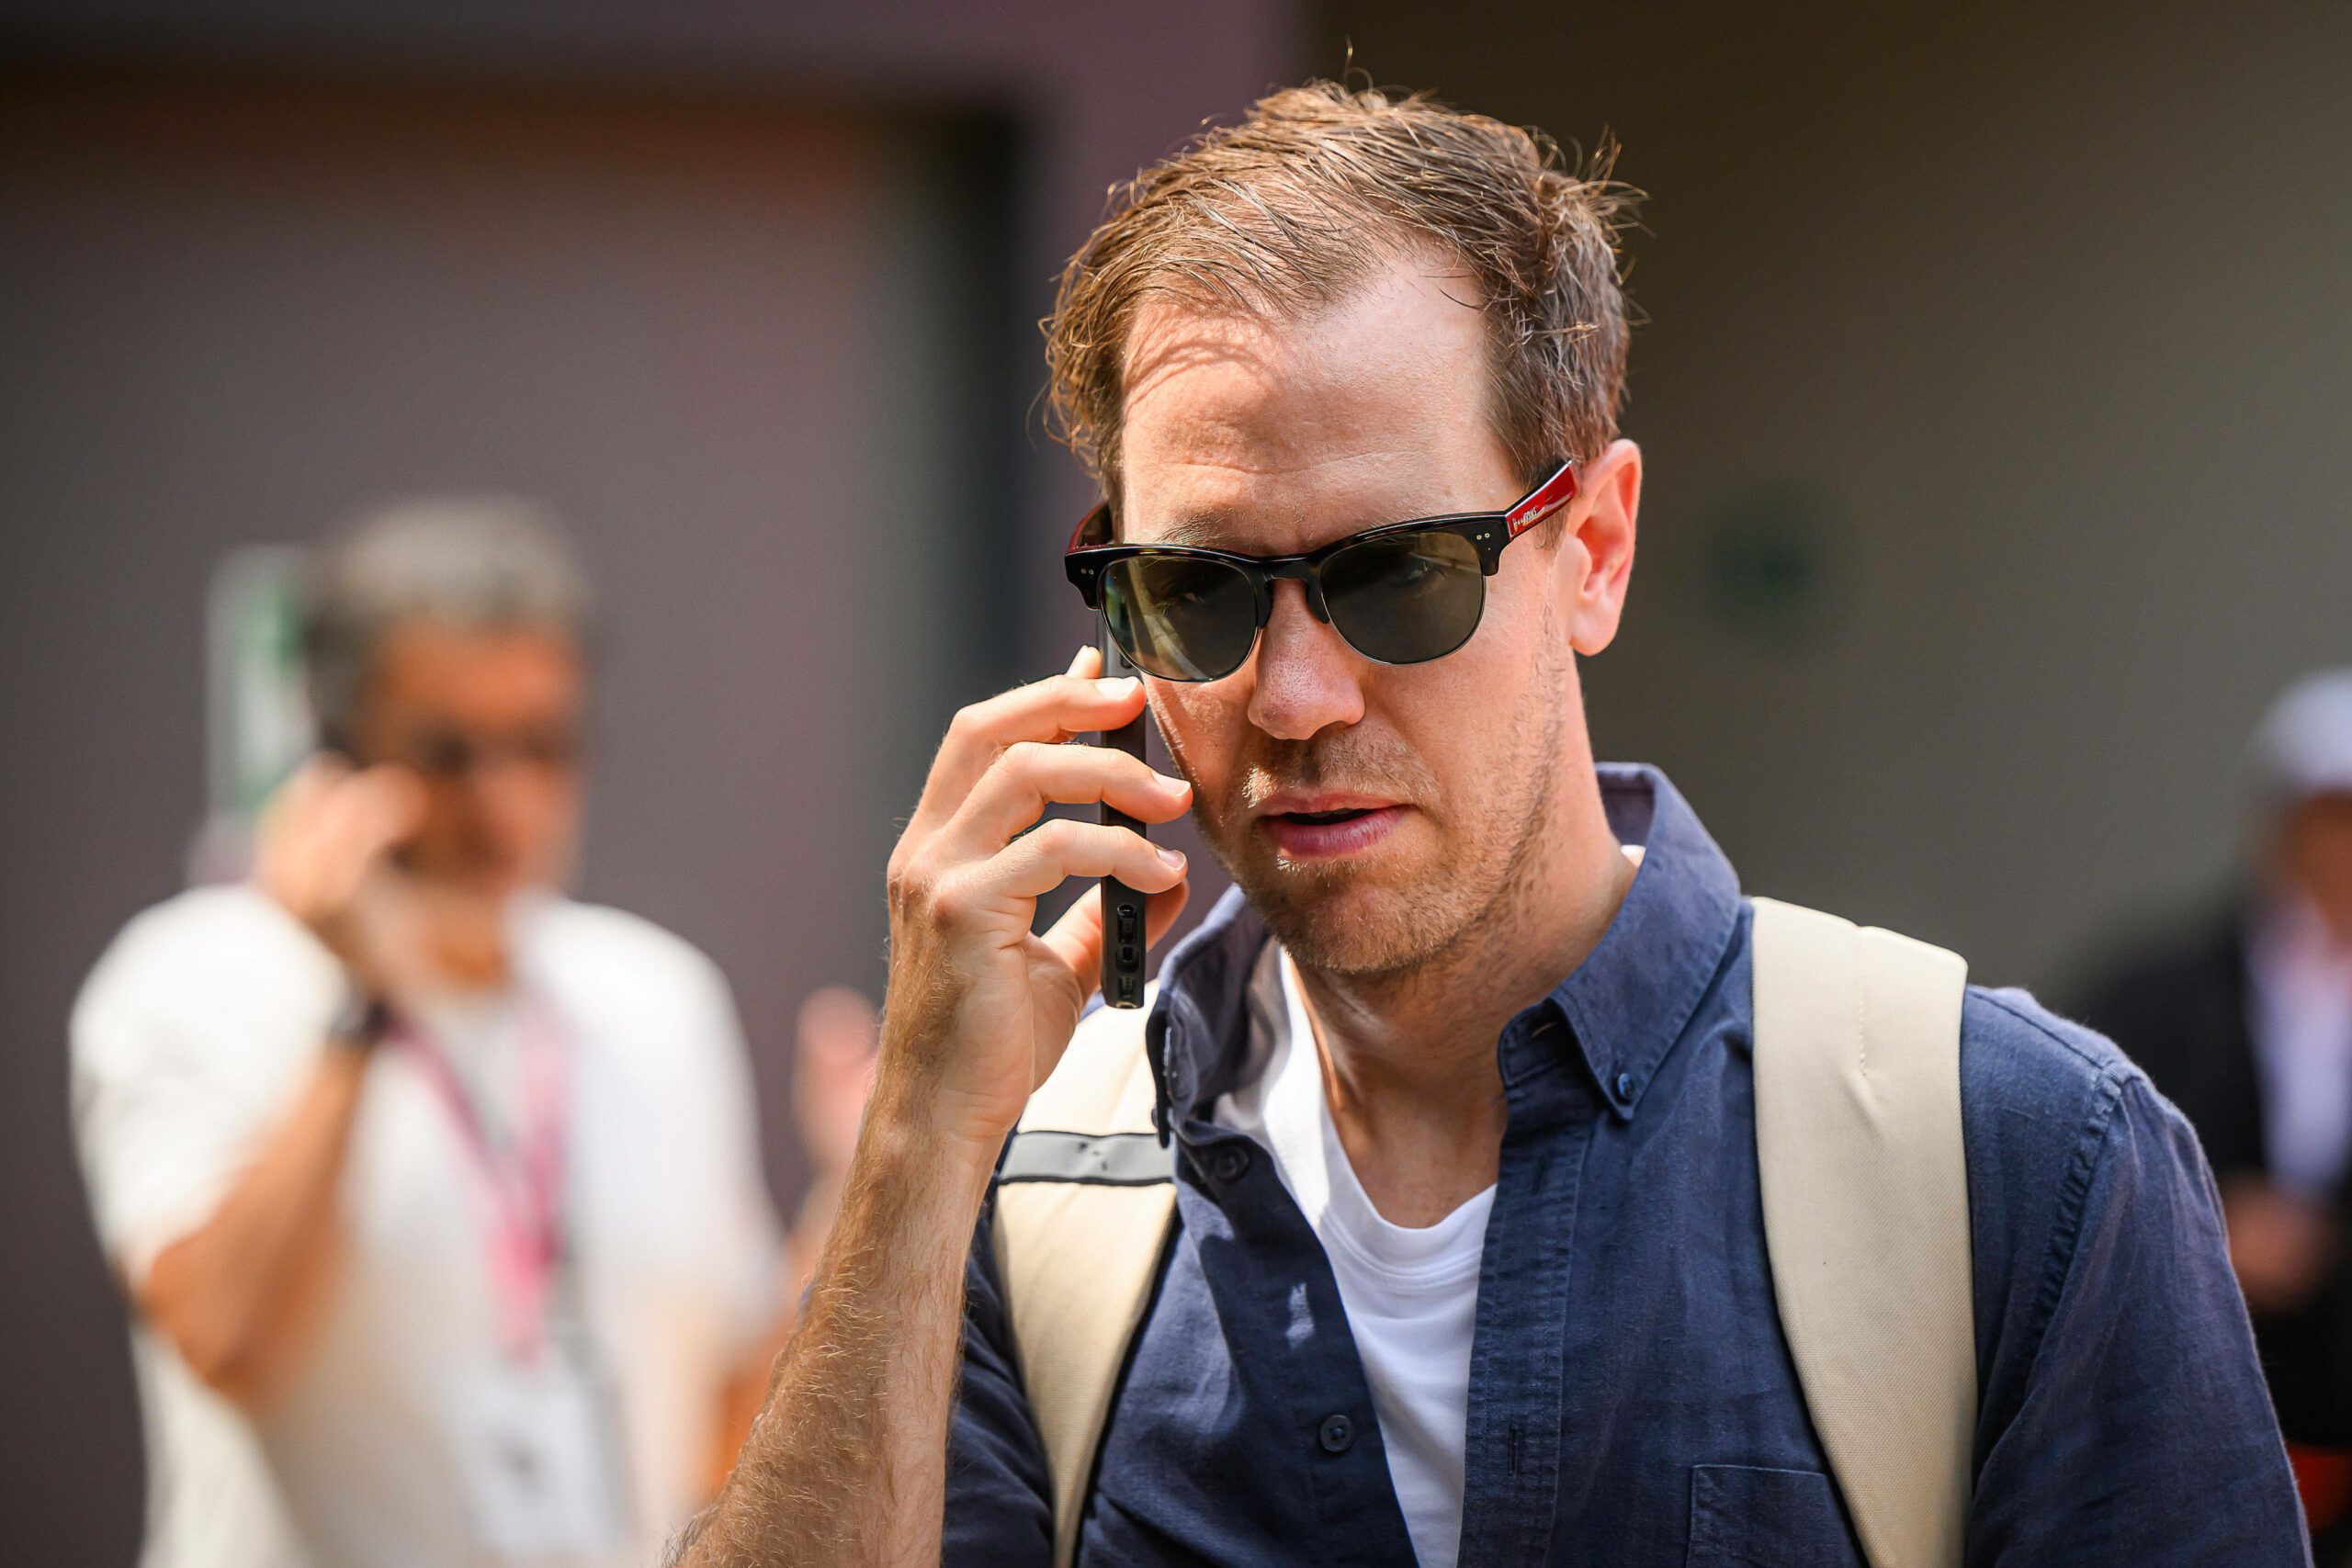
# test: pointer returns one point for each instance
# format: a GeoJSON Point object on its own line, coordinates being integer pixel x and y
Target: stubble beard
{"type": "Point", "coordinates": [1371, 924]}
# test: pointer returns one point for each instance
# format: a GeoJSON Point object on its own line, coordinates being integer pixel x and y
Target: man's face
{"type": "Point", "coordinates": [2315, 857]}
{"type": "Point", "coordinates": [1376, 814]}
{"type": "Point", "coordinates": [489, 722]}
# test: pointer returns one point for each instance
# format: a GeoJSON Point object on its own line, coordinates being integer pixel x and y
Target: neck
{"type": "Point", "coordinates": [1408, 1059]}
{"type": "Point", "coordinates": [465, 939]}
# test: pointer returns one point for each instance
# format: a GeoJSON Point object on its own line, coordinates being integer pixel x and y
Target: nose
{"type": "Point", "coordinates": [1306, 678]}
{"type": "Point", "coordinates": [510, 802]}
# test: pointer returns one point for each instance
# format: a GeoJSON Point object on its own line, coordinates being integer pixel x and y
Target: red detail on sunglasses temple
{"type": "Point", "coordinates": [1543, 499]}
{"type": "Point", "coordinates": [1082, 536]}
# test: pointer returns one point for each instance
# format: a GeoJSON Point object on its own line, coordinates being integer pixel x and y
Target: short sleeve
{"type": "Point", "coordinates": [191, 1036]}
{"type": "Point", "coordinates": [2126, 1419]}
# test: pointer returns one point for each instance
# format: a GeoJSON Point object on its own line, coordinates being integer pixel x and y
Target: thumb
{"type": "Point", "coordinates": [388, 805]}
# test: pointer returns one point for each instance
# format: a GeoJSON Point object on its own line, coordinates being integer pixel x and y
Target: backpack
{"type": "Point", "coordinates": [1865, 1188]}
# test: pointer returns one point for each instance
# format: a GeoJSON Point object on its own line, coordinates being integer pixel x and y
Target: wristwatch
{"type": "Point", "coordinates": [361, 1020]}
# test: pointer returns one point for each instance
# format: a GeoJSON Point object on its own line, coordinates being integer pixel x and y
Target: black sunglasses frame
{"type": "Point", "coordinates": [1092, 551]}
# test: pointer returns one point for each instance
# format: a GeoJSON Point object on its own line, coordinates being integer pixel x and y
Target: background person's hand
{"type": "Point", "coordinates": [833, 1073]}
{"type": "Point", "coordinates": [833, 1062]}
{"type": "Point", "coordinates": [2281, 1244]}
{"type": "Point", "coordinates": [321, 850]}
{"type": "Point", "coordinates": [980, 1008]}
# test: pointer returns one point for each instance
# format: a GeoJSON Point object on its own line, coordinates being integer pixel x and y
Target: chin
{"type": "Point", "coordinates": [1343, 921]}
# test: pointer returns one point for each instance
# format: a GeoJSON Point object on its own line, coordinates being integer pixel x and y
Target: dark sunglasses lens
{"type": "Point", "coordinates": [1180, 617]}
{"type": "Point", "coordinates": [1404, 598]}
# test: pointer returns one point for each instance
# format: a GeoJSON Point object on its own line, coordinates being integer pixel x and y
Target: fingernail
{"type": "Point", "coordinates": [1119, 687]}
{"type": "Point", "coordinates": [1175, 858]}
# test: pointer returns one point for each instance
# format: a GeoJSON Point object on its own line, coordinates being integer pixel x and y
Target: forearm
{"type": "Point", "coordinates": [741, 1398]}
{"type": "Point", "coordinates": [847, 1463]}
{"type": "Point", "coordinates": [229, 1295]}
{"type": "Point", "coordinates": [805, 1245]}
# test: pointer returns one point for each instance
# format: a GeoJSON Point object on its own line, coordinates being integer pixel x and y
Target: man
{"type": "Point", "coordinates": [1467, 1262]}
{"type": "Point", "coordinates": [2246, 1025]}
{"type": "Point", "coordinates": [436, 1194]}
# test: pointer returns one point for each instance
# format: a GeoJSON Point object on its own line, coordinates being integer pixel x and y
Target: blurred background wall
{"type": "Point", "coordinates": [1997, 386]}
{"type": "Point", "coordinates": [1995, 382]}
{"type": "Point", "coordinates": [747, 293]}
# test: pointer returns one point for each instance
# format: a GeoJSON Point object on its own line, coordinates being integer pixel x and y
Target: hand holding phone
{"type": "Point", "coordinates": [1122, 911]}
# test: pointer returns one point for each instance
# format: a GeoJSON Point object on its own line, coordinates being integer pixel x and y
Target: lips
{"type": "Point", "coordinates": [1328, 828]}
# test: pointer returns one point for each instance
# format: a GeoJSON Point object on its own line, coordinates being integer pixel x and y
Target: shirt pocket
{"type": "Point", "coordinates": [1745, 1517]}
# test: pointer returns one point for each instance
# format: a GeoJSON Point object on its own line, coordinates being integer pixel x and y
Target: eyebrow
{"type": "Point", "coordinates": [1213, 529]}
{"type": "Point", "coordinates": [1197, 529]}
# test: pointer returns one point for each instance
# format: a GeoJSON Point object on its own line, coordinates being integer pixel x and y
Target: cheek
{"type": "Point", "coordinates": [545, 805]}
{"type": "Point", "coordinates": [1202, 725]}
{"type": "Point", "coordinates": [525, 806]}
{"type": "Point", "coordinates": [1520, 596]}
{"type": "Point", "coordinates": [1521, 656]}
{"type": "Point", "coordinates": [448, 810]}
{"type": "Point", "coordinates": [1441, 711]}
{"type": "Point", "coordinates": [2331, 855]}
{"type": "Point", "coordinates": [1463, 712]}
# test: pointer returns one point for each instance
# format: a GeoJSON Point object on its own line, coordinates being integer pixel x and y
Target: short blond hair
{"type": "Point", "coordinates": [1317, 187]}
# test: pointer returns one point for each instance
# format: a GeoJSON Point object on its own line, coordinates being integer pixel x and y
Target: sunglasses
{"type": "Point", "coordinates": [443, 752]}
{"type": "Point", "coordinates": [1400, 594]}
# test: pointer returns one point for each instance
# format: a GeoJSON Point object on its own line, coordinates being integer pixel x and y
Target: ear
{"type": "Point", "coordinates": [1595, 559]}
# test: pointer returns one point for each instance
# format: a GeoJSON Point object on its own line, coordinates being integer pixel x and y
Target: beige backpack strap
{"type": "Point", "coordinates": [1083, 1203]}
{"type": "Point", "coordinates": [1865, 1182]}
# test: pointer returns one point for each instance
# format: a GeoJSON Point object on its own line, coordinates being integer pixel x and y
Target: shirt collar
{"type": "Point", "coordinates": [1628, 1002]}
{"type": "Point", "coordinates": [1625, 1006]}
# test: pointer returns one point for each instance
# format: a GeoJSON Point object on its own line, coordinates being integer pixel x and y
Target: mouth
{"type": "Point", "coordinates": [1329, 830]}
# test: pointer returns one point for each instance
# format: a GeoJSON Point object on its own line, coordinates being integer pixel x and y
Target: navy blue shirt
{"type": "Point", "coordinates": [1632, 1400]}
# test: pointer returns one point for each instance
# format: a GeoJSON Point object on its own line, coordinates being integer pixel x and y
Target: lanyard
{"type": "Point", "coordinates": [523, 1185]}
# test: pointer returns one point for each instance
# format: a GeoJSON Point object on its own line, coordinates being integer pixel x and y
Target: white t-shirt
{"type": "Point", "coordinates": [2302, 1046]}
{"type": "Point", "coordinates": [192, 1038]}
{"type": "Point", "coordinates": [1411, 1294]}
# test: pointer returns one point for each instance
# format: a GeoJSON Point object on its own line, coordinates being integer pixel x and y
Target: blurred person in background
{"type": "Point", "coordinates": [436, 1194]}
{"type": "Point", "coordinates": [2246, 1025]}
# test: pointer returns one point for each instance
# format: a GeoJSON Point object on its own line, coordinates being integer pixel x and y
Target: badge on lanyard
{"type": "Point", "coordinates": [537, 1436]}
{"type": "Point", "coordinates": [533, 1445]}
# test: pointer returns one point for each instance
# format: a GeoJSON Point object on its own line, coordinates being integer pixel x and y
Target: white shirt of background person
{"type": "Point", "coordinates": [449, 1185]}
{"type": "Point", "coordinates": [193, 1032]}
{"type": "Point", "coordinates": [2298, 948]}
{"type": "Point", "coordinates": [2301, 981]}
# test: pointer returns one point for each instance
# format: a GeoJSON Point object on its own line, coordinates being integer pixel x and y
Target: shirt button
{"type": "Point", "coordinates": [1624, 1086]}
{"type": "Point", "coordinates": [1338, 1434]}
{"type": "Point", "coordinates": [1232, 1162]}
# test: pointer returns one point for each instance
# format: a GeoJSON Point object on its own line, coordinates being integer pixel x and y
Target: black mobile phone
{"type": "Point", "coordinates": [1122, 905]}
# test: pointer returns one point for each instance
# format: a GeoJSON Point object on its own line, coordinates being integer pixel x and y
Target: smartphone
{"type": "Point", "coordinates": [1122, 905]}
